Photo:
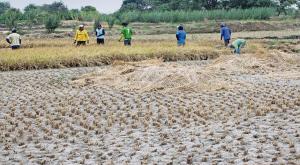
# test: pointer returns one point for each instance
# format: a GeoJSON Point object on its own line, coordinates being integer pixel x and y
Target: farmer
{"type": "Point", "coordinates": [237, 45]}
{"type": "Point", "coordinates": [81, 36]}
{"type": "Point", "coordinates": [126, 34]}
{"type": "Point", "coordinates": [100, 34]}
{"type": "Point", "coordinates": [181, 36]}
{"type": "Point", "coordinates": [225, 34]}
{"type": "Point", "coordinates": [14, 39]}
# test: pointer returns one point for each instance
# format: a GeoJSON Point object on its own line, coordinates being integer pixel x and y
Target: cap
{"type": "Point", "coordinates": [81, 26]}
{"type": "Point", "coordinates": [14, 30]}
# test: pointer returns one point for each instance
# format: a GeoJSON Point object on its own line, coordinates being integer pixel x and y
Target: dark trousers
{"type": "Point", "coordinates": [14, 47]}
{"type": "Point", "coordinates": [100, 41]}
{"type": "Point", "coordinates": [226, 42]}
{"type": "Point", "coordinates": [127, 42]}
{"type": "Point", "coordinates": [79, 43]}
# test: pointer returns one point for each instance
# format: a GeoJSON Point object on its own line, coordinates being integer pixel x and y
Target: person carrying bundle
{"type": "Point", "coordinates": [14, 39]}
{"type": "Point", "coordinates": [126, 34]}
{"type": "Point", "coordinates": [81, 36]}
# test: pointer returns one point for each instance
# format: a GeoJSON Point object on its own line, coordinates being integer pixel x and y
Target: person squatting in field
{"type": "Point", "coordinates": [126, 34]}
{"type": "Point", "coordinates": [237, 45]}
{"type": "Point", "coordinates": [181, 36]}
{"type": "Point", "coordinates": [225, 34]}
{"type": "Point", "coordinates": [14, 39]}
{"type": "Point", "coordinates": [81, 36]}
{"type": "Point", "coordinates": [100, 34]}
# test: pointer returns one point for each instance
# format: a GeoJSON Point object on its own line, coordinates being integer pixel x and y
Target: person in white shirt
{"type": "Point", "coordinates": [14, 39]}
{"type": "Point", "coordinates": [100, 34]}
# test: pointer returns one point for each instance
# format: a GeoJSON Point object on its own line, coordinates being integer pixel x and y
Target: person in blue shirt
{"type": "Point", "coordinates": [181, 36]}
{"type": "Point", "coordinates": [225, 34]}
{"type": "Point", "coordinates": [100, 34]}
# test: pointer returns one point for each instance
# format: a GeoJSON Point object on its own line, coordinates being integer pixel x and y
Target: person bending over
{"type": "Point", "coordinates": [237, 45]}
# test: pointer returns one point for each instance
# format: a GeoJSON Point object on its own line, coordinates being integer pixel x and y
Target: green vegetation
{"type": "Point", "coordinates": [49, 14]}
{"type": "Point", "coordinates": [188, 16]}
{"type": "Point", "coordinates": [170, 5]}
{"type": "Point", "coordinates": [51, 23]}
{"type": "Point", "coordinates": [152, 11]}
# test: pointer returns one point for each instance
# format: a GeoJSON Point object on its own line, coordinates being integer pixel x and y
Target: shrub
{"type": "Point", "coordinates": [97, 22]}
{"type": "Point", "coordinates": [110, 21]}
{"type": "Point", "coordinates": [11, 17]}
{"type": "Point", "coordinates": [51, 23]}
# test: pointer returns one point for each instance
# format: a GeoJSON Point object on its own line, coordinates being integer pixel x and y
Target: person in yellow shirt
{"type": "Point", "coordinates": [81, 36]}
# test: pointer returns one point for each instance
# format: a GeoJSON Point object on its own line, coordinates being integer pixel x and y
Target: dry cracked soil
{"type": "Point", "coordinates": [84, 116]}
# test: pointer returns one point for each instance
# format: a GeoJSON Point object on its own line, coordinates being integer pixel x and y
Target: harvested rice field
{"type": "Point", "coordinates": [228, 110]}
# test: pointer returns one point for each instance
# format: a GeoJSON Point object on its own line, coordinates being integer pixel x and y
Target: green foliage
{"type": "Point", "coordinates": [52, 22]}
{"type": "Point", "coordinates": [97, 22]}
{"type": "Point", "coordinates": [57, 8]}
{"type": "Point", "coordinates": [226, 4]}
{"type": "Point", "coordinates": [169, 5]}
{"type": "Point", "coordinates": [74, 14]}
{"type": "Point", "coordinates": [34, 16]}
{"type": "Point", "coordinates": [284, 5]}
{"type": "Point", "coordinates": [88, 9]}
{"type": "Point", "coordinates": [111, 21]}
{"type": "Point", "coordinates": [189, 16]}
{"type": "Point", "coordinates": [4, 6]}
{"type": "Point", "coordinates": [89, 13]}
{"type": "Point", "coordinates": [11, 17]}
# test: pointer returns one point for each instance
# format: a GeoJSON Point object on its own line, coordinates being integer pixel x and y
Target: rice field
{"type": "Point", "coordinates": [61, 53]}
{"type": "Point", "coordinates": [152, 103]}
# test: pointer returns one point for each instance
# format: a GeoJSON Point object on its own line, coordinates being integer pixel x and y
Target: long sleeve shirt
{"type": "Point", "coordinates": [81, 35]}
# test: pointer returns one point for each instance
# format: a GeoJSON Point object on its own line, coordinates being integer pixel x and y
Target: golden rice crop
{"type": "Point", "coordinates": [59, 53]}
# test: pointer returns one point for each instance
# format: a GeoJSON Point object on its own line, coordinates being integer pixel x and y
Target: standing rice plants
{"type": "Point", "coordinates": [189, 16]}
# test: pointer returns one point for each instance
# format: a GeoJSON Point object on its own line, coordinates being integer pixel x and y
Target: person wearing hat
{"type": "Point", "coordinates": [100, 34]}
{"type": "Point", "coordinates": [126, 34]}
{"type": "Point", "coordinates": [180, 36]}
{"type": "Point", "coordinates": [81, 36]}
{"type": "Point", "coordinates": [237, 45]}
{"type": "Point", "coordinates": [14, 39]}
{"type": "Point", "coordinates": [225, 34]}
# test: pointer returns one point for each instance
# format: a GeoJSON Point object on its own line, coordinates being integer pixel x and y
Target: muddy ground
{"type": "Point", "coordinates": [242, 110]}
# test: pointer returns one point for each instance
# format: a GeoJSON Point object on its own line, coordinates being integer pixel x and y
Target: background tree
{"type": "Point", "coordinates": [3, 7]}
{"type": "Point", "coordinates": [51, 23]}
{"type": "Point", "coordinates": [33, 15]}
{"type": "Point", "coordinates": [283, 5]}
{"type": "Point", "coordinates": [58, 8]}
{"type": "Point", "coordinates": [89, 13]}
{"type": "Point", "coordinates": [111, 21]}
{"type": "Point", "coordinates": [11, 17]}
{"type": "Point", "coordinates": [74, 14]}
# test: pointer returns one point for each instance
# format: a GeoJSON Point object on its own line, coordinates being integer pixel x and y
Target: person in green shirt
{"type": "Point", "coordinates": [126, 34]}
{"type": "Point", "coordinates": [237, 45]}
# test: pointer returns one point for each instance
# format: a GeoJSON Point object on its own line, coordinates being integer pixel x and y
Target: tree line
{"type": "Point", "coordinates": [48, 14]}
{"type": "Point", "coordinates": [170, 5]}
{"type": "Point", "coordinates": [147, 11]}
